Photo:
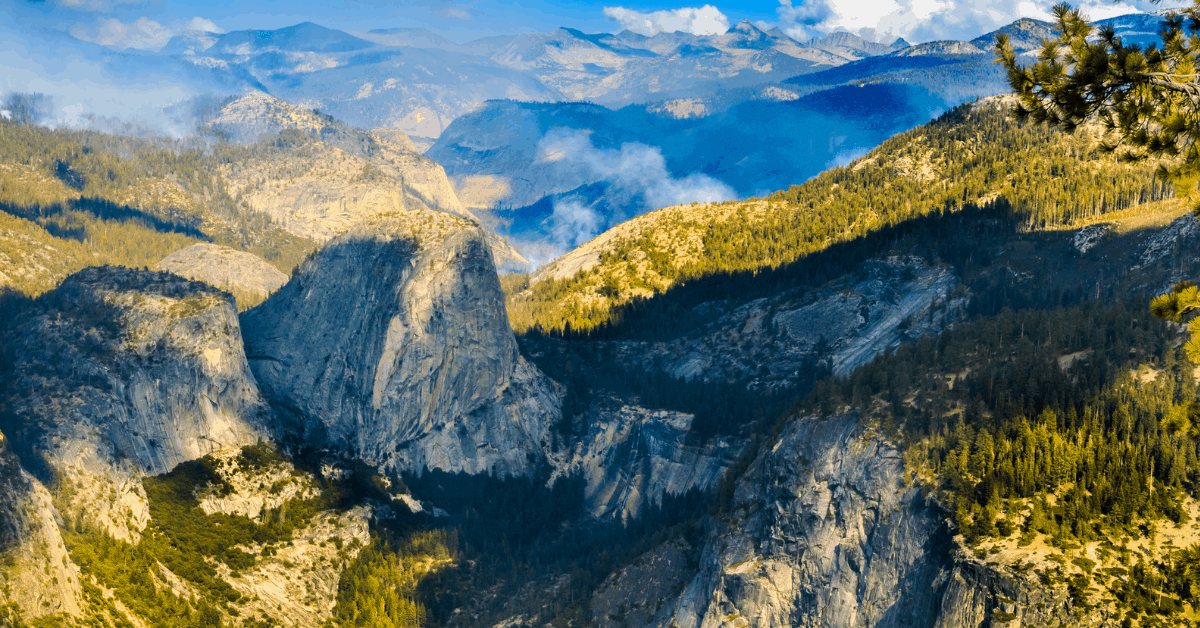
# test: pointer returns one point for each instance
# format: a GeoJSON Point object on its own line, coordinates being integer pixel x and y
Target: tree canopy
{"type": "Point", "coordinates": [1148, 99]}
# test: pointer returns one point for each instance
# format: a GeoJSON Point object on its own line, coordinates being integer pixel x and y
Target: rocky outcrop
{"type": "Point", "coordinates": [1182, 231]}
{"type": "Point", "coordinates": [118, 374]}
{"type": "Point", "coordinates": [393, 343]}
{"type": "Point", "coordinates": [826, 529]}
{"type": "Point", "coordinates": [34, 571]}
{"type": "Point", "coordinates": [823, 532]}
{"type": "Point", "coordinates": [636, 594]}
{"type": "Point", "coordinates": [225, 268]}
{"type": "Point", "coordinates": [316, 176]}
{"type": "Point", "coordinates": [632, 457]}
{"type": "Point", "coordinates": [295, 582]}
{"type": "Point", "coordinates": [771, 343]}
{"type": "Point", "coordinates": [1088, 237]}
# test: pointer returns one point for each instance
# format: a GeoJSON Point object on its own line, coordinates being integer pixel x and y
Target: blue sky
{"type": "Point", "coordinates": [460, 20]}
{"type": "Point", "coordinates": [148, 23]}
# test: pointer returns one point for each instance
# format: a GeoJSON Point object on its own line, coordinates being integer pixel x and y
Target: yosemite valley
{"type": "Point", "coordinates": [735, 329]}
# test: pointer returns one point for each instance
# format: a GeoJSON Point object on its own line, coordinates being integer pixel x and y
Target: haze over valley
{"type": "Point", "coordinates": [457, 315]}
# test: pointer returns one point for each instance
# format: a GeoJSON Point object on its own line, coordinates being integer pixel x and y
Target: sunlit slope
{"type": "Point", "coordinates": [975, 155]}
{"type": "Point", "coordinates": [71, 199]}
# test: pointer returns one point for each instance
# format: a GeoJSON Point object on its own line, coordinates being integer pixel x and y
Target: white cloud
{"type": "Point", "coordinates": [142, 33]}
{"type": "Point", "coordinates": [94, 5]}
{"type": "Point", "coordinates": [705, 20]}
{"type": "Point", "coordinates": [201, 24]}
{"type": "Point", "coordinates": [454, 12]}
{"type": "Point", "coordinates": [638, 181]}
{"type": "Point", "coordinates": [925, 20]}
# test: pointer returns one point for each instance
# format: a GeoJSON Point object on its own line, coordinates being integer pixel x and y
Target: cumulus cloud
{"type": "Point", "coordinates": [925, 20]}
{"type": "Point", "coordinates": [201, 24]}
{"type": "Point", "coordinates": [705, 20]}
{"type": "Point", "coordinates": [142, 33]}
{"type": "Point", "coordinates": [635, 179]}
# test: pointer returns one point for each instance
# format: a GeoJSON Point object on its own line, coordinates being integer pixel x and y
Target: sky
{"type": "Point", "coordinates": [148, 24]}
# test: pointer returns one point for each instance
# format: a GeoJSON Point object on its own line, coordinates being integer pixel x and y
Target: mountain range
{"type": "Point", "coordinates": [286, 372]}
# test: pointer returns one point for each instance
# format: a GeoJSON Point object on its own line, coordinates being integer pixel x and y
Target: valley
{"type": "Point", "coordinates": [669, 331]}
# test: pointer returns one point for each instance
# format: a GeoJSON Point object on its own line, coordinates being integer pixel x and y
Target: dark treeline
{"type": "Point", "coordinates": [515, 531]}
{"type": "Point", "coordinates": [593, 372]}
{"type": "Point", "coordinates": [55, 217]}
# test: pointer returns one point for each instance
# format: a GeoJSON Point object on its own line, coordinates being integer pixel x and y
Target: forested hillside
{"type": "Point", "coordinates": [95, 198]}
{"type": "Point", "coordinates": [1062, 439]}
{"type": "Point", "coordinates": [973, 156]}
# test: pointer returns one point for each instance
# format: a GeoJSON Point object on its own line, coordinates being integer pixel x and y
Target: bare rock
{"type": "Point", "coordinates": [632, 457]}
{"type": "Point", "coordinates": [316, 176]}
{"type": "Point", "coordinates": [1088, 237]}
{"type": "Point", "coordinates": [119, 374]}
{"type": "Point", "coordinates": [225, 268]}
{"type": "Point", "coordinates": [393, 343]}
{"type": "Point", "coordinates": [823, 532]}
{"type": "Point", "coordinates": [1176, 236]}
{"type": "Point", "coordinates": [638, 594]}
{"type": "Point", "coordinates": [35, 574]}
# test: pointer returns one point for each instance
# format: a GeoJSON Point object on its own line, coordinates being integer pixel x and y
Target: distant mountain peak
{"type": "Point", "coordinates": [1024, 34]}
{"type": "Point", "coordinates": [746, 26]}
{"type": "Point", "coordinates": [302, 37]}
{"type": "Point", "coordinates": [850, 45]}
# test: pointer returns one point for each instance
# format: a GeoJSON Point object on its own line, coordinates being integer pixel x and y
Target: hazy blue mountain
{"type": "Point", "coordinates": [854, 47]}
{"type": "Point", "coordinates": [417, 81]}
{"type": "Point", "coordinates": [555, 173]}
{"type": "Point", "coordinates": [569, 170]}
{"type": "Point", "coordinates": [305, 37]}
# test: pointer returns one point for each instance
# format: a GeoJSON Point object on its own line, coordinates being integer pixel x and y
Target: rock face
{"type": "Point", "coordinates": [770, 343]}
{"type": "Point", "coordinates": [316, 177]}
{"type": "Point", "coordinates": [635, 595]}
{"type": "Point", "coordinates": [393, 342]}
{"type": "Point", "coordinates": [631, 457]}
{"type": "Point", "coordinates": [118, 374]}
{"type": "Point", "coordinates": [34, 571]}
{"type": "Point", "coordinates": [823, 533]}
{"type": "Point", "coordinates": [225, 268]}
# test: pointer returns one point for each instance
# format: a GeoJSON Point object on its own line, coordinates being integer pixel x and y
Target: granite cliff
{"type": "Point", "coordinates": [423, 371]}
{"type": "Point", "coordinates": [828, 528]}
{"type": "Point", "coordinates": [118, 374]}
{"type": "Point", "coordinates": [246, 275]}
{"type": "Point", "coordinates": [316, 176]}
{"type": "Point", "coordinates": [34, 571]}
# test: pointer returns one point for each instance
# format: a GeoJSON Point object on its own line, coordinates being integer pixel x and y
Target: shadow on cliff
{"type": "Point", "coordinates": [924, 587]}
{"type": "Point", "coordinates": [36, 376]}
{"type": "Point", "coordinates": [998, 262]}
